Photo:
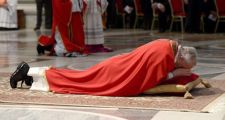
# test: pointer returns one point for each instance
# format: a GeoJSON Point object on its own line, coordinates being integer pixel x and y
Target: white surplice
{"type": "Point", "coordinates": [93, 27]}
{"type": "Point", "coordinates": [8, 14]}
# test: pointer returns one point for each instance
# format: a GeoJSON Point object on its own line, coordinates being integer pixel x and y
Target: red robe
{"type": "Point", "coordinates": [122, 75]}
{"type": "Point", "coordinates": [69, 24]}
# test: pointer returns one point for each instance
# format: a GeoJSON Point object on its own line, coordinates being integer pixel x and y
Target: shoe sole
{"type": "Point", "coordinates": [15, 78]}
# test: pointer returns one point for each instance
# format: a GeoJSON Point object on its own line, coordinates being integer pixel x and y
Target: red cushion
{"type": "Point", "coordinates": [181, 80]}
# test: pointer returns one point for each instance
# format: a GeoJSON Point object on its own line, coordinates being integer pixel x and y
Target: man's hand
{"type": "Point", "coordinates": [181, 72]}
{"type": "Point", "coordinates": [158, 6]}
{"type": "Point", "coordinates": [154, 5]}
{"type": "Point", "coordinates": [161, 7]}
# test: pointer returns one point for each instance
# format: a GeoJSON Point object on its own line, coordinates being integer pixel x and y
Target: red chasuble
{"type": "Point", "coordinates": [63, 19]}
{"type": "Point", "coordinates": [128, 74]}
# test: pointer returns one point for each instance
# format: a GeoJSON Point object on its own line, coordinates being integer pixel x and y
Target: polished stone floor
{"type": "Point", "coordinates": [17, 46]}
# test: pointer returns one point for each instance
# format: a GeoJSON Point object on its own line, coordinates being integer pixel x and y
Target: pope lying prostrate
{"type": "Point", "coordinates": [129, 74]}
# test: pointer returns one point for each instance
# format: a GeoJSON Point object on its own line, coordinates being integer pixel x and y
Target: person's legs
{"type": "Point", "coordinates": [39, 80]}
{"type": "Point", "coordinates": [48, 14]}
{"type": "Point", "coordinates": [193, 17]}
{"type": "Point", "coordinates": [111, 14]}
{"type": "Point", "coordinates": [209, 25]}
{"type": "Point", "coordinates": [39, 5]}
{"type": "Point", "coordinates": [162, 21]}
{"type": "Point", "coordinates": [77, 29]}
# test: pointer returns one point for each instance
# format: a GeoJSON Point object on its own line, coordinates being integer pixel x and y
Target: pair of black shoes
{"type": "Point", "coordinates": [21, 75]}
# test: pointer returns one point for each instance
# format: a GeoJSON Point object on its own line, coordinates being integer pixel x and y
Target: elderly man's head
{"type": "Point", "coordinates": [186, 57]}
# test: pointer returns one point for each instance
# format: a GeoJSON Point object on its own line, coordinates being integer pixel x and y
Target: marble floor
{"type": "Point", "coordinates": [17, 46]}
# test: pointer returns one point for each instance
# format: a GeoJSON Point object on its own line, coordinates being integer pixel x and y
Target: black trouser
{"type": "Point", "coordinates": [147, 10]}
{"type": "Point", "coordinates": [130, 17]}
{"type": "Point", "coordinates": [111, 14]}
{"type": "Point", "coordinates": [193, 16]}
{"type": "Point", "coordinates": [163, 16]}
{"type": "Point", "coordinates": [47, 4]}
{"type": "Point", "coordinates": [206, 8]}
{"type": "Point", "coordinates": [209, 25]}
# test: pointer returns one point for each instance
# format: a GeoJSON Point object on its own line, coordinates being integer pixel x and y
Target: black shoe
{"type": "Point", "coordinates": [48, 27]}
{"type": "Point", "coordinates": [19, 75]}
{"type": "Point", "coordinates": [40, 49]}
{"type": "Point", "coordinates": [28, 80]}
{"type": "Point", "coordinates": [36, 28]}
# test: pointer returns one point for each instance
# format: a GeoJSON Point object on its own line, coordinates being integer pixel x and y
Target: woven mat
{"type": "Point", "coordinates": [203, 96]}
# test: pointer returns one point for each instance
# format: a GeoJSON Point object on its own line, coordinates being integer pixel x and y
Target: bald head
{"type": "Point", "coordinates": [186, 57]}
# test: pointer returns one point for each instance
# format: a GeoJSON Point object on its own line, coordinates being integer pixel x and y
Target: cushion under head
{"type": "Point", "coordinates": [177, 85]}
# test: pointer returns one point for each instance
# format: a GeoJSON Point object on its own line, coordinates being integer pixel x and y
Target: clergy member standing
{"type": "Point", "coordinates": [93, 28]}
{"type": "Point", "coordinates": [8, 15]}
{"type": "Point", "coordinates": [68, 34]}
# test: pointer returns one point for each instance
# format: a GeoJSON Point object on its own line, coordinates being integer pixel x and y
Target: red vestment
{"type": "Point", "coordinates": [69, 24]}
{"type": "Point", "coordinates": [122, 75]}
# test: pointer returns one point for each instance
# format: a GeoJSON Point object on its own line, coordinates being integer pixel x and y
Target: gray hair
{"type": "Point", "coordinates": [188, 53]}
